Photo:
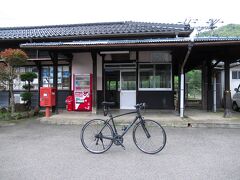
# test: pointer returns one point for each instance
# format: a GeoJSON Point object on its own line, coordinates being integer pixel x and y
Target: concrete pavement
{"type": "Point", "coordinates": [168, 118]}
{"type": "Point", "coordinates": [41, 151]}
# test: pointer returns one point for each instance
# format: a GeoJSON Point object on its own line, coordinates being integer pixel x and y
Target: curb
{"type": "Point", "coordinates": [174, 124]}
{"type": "Point", "coordinates": [215, 125]}
{"type": "Point", "coordinates": [7, 124]}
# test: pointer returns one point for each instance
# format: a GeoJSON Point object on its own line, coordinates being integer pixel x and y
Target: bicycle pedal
{"type": "Point", "coordinates": [121, 144]}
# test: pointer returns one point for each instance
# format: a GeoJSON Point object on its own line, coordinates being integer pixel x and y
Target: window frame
{"type": "Point", "coordinates": [154, 72]}
{"type": "Point", "coordinates": [50, 83]}
{"type": "Point", "coordinates": [21, 70]}
{"type": "Point", "coordinates": [237, 74]}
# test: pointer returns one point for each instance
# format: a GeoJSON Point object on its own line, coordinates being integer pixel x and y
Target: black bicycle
{"type": "Point", "coordinates": [98, 135]}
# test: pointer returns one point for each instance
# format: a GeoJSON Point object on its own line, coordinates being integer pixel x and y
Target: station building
{"type": "Point", "coordinates": [130, 62]}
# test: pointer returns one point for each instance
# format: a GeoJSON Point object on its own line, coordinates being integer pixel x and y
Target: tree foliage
{"type": "Point", "coordinates": [14, 57]}
{"type": "Point", "coordinates": [230, 30]}
{"type": "Point", "coordinates": [11, 58]}
{"type": "Point", "coordinates": [193, 82]}
{"type": "Point", "coordinates": [26, 96]}
{"type": "Point", "coordinates": [28, 76]}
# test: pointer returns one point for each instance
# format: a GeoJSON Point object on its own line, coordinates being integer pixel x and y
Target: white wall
{"type": "Point", "coordinates": [233, 82]}
{"type": "Point", "coordinates": [82, 64]}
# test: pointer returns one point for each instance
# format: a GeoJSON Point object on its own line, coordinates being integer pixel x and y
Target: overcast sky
{"type": "Point", "coordinates": [51, 12]}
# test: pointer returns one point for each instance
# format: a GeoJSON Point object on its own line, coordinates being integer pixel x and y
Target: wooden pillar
{"type": "Point", "coordinates": [39, 81]}
{"type": "Point", "coordinates": [209, 87]}
{"type": "Point", "coordinates": [55, 79]}
{"type": "Point", "coordinates": [137, 69]}
{"type": "Point", "coordinates": [94, 85]}
{"type": "Point", "coordinates": [70, 76]}
{"type": "Point", "coordinates": [103, 78]}
{"type": "Point", "coordinates": [227, 91]}
{"type": "Point", "coordinates": [204, 86]}
{"type": "Point", "coordinates": [214, 91]}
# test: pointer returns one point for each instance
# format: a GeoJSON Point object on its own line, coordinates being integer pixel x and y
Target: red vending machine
{"type": "Point", "coordinates": [82, 86]}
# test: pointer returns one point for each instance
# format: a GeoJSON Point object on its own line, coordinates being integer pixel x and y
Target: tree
{"type": "Point", "coordinates": [11, 58]}
{"type": "Point", "coordinates": [193, 80]}
{"type": "Point", "coordinates": [224, 31]}
{"type": "Point", "coordinates": [26, 96]}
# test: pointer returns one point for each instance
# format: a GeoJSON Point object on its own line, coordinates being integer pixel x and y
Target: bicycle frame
{"type": "Point", "coordinates": [111, 118]}
{"type": "Point", "coordinates": [145, 131]}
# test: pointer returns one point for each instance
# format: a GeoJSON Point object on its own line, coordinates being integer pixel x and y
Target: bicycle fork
{"type": "Point", "coordinates": [145, 129]}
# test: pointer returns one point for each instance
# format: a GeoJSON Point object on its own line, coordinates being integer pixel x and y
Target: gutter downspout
{"type": "Point", "coordinates": [214, 92]}
{"type": "Point", "coordinates": [190, 45]}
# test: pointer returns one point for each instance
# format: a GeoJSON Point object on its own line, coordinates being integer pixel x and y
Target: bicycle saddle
{"type": "Point", "coordinates": [105, 103]}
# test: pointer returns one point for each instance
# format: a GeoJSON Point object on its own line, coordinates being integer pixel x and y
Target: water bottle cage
{"type": "Point", "coordinates": [124, 128]}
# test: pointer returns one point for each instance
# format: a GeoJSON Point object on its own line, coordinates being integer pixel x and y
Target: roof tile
{"type": "Point", "coordinates": [93, 29]}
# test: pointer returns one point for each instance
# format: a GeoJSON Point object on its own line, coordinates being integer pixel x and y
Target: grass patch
{"type": "Point", "coordinates": [6, 116]}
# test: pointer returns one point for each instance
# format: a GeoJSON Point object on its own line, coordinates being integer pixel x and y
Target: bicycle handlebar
{"type": "Point", "coordinates": [106, 106]}
{"type": "Point", "coordinates": [140, 106]}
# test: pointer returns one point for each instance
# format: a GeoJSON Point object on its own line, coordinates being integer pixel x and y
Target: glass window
{"type": "Point", "coordinates": [17, 81]}
{"type": "Point", "coordinates": [112, 85]}
{"type": "Point", "coordinates": [155, 76]}
{"type": "Point", "coordinates": [162, 76]}
{"type": "Point", "coordinates": [146, 79]}
{"type": "Point", "coordinates": [238, 77]}
{"type": "Point", "coordinates": [63, 77]}
{"type": "Point", "coordinates": [128, 81]}
{"type": "Point", "coordinates": [234, 74]}
{"type": "Point", "coordinates": [46, 76]}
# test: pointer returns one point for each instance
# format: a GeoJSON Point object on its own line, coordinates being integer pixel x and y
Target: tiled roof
{"type": "Point", "coordinates": [108, 42]}
{"type": "Point", "coordinates": [92, 30]}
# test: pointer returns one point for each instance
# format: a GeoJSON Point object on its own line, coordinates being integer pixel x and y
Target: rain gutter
{"type": "Point", "coordinates": [190, 45]}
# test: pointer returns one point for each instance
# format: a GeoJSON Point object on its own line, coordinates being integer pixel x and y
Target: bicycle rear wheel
{"type": "Point", "coordinates": [149, 136]}
{"type": "Point", "coordinates": [93, 133]}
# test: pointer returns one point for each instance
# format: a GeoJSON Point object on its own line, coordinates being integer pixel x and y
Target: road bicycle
{"type": "Point", "coordinates": [98, 135]}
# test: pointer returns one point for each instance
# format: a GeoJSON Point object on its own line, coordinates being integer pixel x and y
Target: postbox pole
{"type": "Point", "coordinates": [47, 112]}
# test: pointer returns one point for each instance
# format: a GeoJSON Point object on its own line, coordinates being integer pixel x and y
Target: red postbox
{"type": "Point", "coordinates": [69, 103]}
{"type": "Point", "coordinates": [47, 98]}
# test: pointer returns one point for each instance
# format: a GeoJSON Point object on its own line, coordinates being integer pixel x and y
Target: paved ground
{"type": "Point", "coordinates": [168, 118]}
{"type": "Point", "coordinates": [34, 150]}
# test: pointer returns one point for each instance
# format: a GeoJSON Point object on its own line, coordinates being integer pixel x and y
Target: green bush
{"type": "Point", "coordinates": [26, 96]}
{"type": "Point", "coordinates": [3, 110]}
{"type": "Point", "coordinates": [26, 86]}
{"type": "Point", "coordinates": [5, 116]}
{"type": "Point", "coordinates": [28, 76]}
{"type": "Point", "coordinates": [16, 116]}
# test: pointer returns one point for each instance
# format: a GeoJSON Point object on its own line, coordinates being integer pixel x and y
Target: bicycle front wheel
{"type": "Point", "coordinates": [97, 136]}
{"type": "Point", "coordinates": [149, 136]}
